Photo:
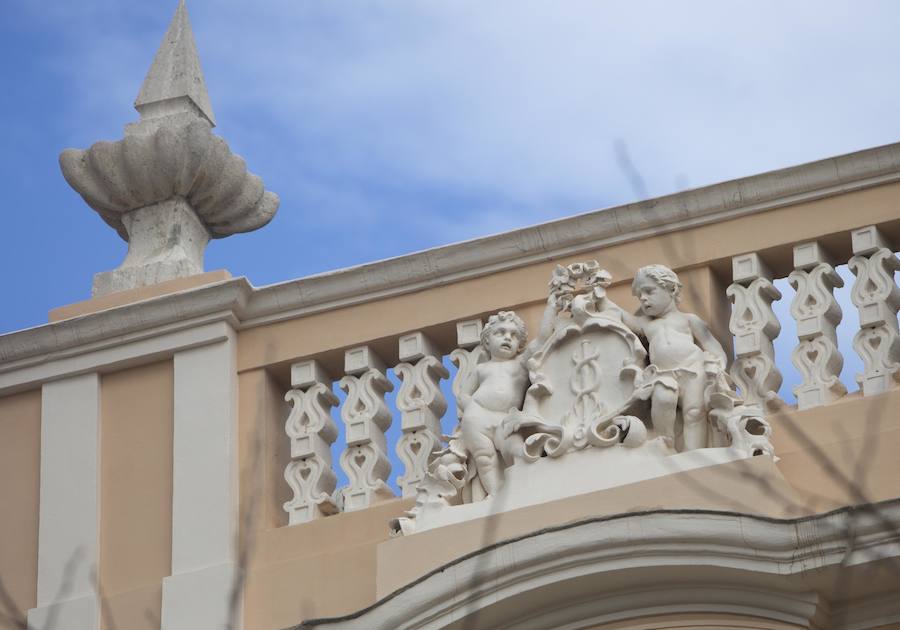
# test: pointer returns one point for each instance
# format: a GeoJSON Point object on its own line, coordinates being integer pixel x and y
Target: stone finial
{"type": "Point", "coordinates": [170, 185]}
{"type": "Point", "coordinates": [175, 74]}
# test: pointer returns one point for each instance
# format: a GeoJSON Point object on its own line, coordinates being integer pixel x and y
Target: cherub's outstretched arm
{"type": "Point", "coordinates": [545, 329]}
{"type": "Point", "coordinates": [631, 320]}
{"type": "Point", "coordinates": [705, 339]}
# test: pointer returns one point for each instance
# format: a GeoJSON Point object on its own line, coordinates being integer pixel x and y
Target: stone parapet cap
{"type": "Point", "coordinates": [472, 259]}
{"type": "Point", "coordinates": [131, 296]}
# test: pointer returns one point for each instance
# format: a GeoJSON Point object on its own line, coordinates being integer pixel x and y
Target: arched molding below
{"type": "Point", "coordinates": [808, 572]}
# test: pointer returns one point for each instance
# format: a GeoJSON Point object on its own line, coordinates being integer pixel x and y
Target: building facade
{"type": "Point", "coordinates": [165, 447]}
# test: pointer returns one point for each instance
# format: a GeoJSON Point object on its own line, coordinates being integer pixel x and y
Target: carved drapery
{"type": "Point", "coordinates": [311, 431]}
{"type": "Point", "coordinates": [877, 297]}
{"type": "Point", "coordinates": [754, 326]}
{"type": "Point", "coordinates": [817, 313]}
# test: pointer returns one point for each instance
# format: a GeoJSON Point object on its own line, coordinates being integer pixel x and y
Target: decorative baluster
{"type": "Point", "coordinates": [754, 326]}
{"type": "Point", "coordinates": [817, 313]}
{"type": "Point", "coordinates": [312, 431]}
{"type": "Point", "coordinates": [876, 296]}
{"type": "Point", "coordinates": [366, 418]}
{"type": "Point", "coordinates": [421, 404]}
{"type": "Point", "coordinates": [466, 357]}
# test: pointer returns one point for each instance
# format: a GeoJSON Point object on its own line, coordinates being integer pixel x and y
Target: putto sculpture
{"type": "Point", "coordinates": [684, 356]}
{"type": "Point", "coordinates": [599, 391]}
{"type": "Point", "coordinates": [498, 386]}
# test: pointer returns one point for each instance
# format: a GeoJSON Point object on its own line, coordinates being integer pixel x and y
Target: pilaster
{"type": "Point", "coordinates": [204, 493]}
{"type": "Point", "coordinates": [68, 536]}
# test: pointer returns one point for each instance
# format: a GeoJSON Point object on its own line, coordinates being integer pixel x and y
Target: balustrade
{"type": "Point", "coordinates": [817, 313]}
{"type": "Point", "coordinates": [754, 325]}
{"type": "Point", "coordinates": [312, 432]}
{"type": "Point", "coordinates": [421, 404]}
{"type": "Point", "coordinates": [366, 417]}
{"type": "Point", "coordinates": [876, 296]}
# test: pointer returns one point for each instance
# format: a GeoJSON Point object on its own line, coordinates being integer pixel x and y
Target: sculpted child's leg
{"type": "Point", "coordinates": [481, 449]}
{"type": "Point", "coordinates": [693, 411]}
{"type": "Point", "coordinates": [663, 404]}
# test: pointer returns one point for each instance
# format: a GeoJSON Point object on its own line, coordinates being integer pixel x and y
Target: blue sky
{"type": "Point", "coordinates": [390, 127]}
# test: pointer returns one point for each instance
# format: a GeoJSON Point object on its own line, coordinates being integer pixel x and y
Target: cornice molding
{"type": "Point", "coordinates": [714, 561]}
{"type": "Point", "coordinates": [247, 306]}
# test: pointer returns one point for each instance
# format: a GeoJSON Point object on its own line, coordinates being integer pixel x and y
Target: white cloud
{"type": "Point", "coordinates": [478, 117]}
{"type": "Point", "coordinates": [517, 100]}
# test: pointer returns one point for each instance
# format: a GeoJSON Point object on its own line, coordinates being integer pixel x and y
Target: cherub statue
{"type": "Point", "coordinates": [498, 389]}
{"type": "Point", "coordinates": [684, 356]}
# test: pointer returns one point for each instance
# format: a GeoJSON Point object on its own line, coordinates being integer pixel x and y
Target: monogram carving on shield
{"type": "Point", "coordinates": [583, 376]}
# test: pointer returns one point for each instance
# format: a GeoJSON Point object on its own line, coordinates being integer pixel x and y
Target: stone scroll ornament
{"type": "Point", "coordinates": [754, 326]}
{"type": "Point", "coordinates": [877, 297]}
{"type": "Point", "coordinates": [365, 461]}
{"type": "Point", "coordinates": [818, 313]}
{"type": "Point", "coordinates": [583, 374]}
{"type": "Point", "coordinates": [311, 431]}
{"type": "Point", "coordinates": [421, 404]}
{"type": "Point", "coordinates": [587, 382]}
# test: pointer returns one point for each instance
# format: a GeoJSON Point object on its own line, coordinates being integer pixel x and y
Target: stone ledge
{"type": "Point", "coordinates": [129, 296]}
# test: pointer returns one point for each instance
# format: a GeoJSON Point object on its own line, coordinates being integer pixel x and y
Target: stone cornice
{"type": "Point", "coordinates": [249, 306]}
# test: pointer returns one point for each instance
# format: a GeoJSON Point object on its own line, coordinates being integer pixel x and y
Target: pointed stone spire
{"type": "Point", "coordinates": [175, 82]}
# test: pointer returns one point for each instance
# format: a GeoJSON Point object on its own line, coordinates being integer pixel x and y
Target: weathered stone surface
{"type": "Point", "coordinates": [176, 71]}
{"type": "Point", "coordinates": [188, 161]}
{"type": "Point", "coordinates": [170, 185]}
{"type": "Point", "coordinates": [165, 241]}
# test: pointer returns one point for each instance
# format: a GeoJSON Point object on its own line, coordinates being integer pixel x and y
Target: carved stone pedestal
{"type": "Point", "coordinates": [579, 472]}
{"type": "Point", "coordinates": [165, 241]}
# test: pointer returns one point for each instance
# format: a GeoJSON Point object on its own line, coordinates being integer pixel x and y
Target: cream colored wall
{"type": "Point", "coordinates": [20, 467]}
{"type": "Point", "coordinates": [844, 453]}
{"type": "Point", "coordinates": [264, 450]}
{"type": "Point", "coordinates": [319, 569]}
{"type": "Point", "coordinates": [136, 492]}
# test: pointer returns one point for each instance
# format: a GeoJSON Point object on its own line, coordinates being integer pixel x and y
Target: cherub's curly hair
{"type": "Point", "coordinates": [661, 275]}
{"type": "Point", "coordinates": [499, 318]}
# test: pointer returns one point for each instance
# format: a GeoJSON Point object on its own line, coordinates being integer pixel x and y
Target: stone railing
{"type": "Point", "coordinates": [366, 416]}
{"type": "Point", "coordinates": [817, 314]}
{"type": "Point", "coordinates": [420, 403]}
